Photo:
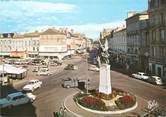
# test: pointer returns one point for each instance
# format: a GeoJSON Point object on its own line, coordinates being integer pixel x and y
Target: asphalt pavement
{"type": "Point", "coordinates": [51, 95]}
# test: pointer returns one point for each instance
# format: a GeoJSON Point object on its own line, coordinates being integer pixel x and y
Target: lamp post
{"type": "Point", "coordinates": [87, 83]}
{"type": "Point", "coordinates": [146, 59]}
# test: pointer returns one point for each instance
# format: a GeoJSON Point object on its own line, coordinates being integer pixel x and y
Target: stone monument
{"type": "Point", "coordinates": [105, 79]}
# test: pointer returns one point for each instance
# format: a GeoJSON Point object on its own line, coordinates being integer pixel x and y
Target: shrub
{"type": "Point", "coordinates": [125, 102]}
{"type": "Point", "coordinates": [105, 96]}
{"type": "Point", "coordinates": [92, 103]}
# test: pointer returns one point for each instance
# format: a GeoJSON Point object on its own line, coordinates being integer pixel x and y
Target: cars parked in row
{"type": "Point", "coordinates": [151, 79]}
{"type": "Point", "coordinates": [32, 85]}
{"type": "Point", "coordinates": [16, 99]}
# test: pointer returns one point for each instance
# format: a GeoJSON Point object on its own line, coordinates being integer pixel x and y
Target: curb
{"type": "Point", "coordinates": [97, 112]}
{"type": "Point", "coordinates": [110, 112]}
{"type": "Point", "coordinates": [64, 103]}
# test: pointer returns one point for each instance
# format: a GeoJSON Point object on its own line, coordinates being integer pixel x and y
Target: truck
{"type": "Point", "coordinates": [75, 83]}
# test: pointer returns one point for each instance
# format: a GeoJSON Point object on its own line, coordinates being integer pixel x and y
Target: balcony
{"type": "Point", "coordinates": [158, 60]}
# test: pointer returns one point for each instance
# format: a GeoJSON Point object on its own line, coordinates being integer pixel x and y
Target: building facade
{"type": "Point", "coordinates": [16, 45]}
{"type": "Point", "coordinates": [119, 41]}
{"type": "Point", "coordinates": [135, 25]}
{"type": "Point", "coordinates": [157, 37]}
{"type": "Point", "coordinates": [51, 43]}
{"type": "Point", "coordinates": [118, 44]}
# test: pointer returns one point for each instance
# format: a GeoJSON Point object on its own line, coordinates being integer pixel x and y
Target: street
{"type": "Point", "coordinates": [51, 95]}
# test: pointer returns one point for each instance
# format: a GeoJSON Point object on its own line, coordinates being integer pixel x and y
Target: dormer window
{"type": "Point", "coordinates": [9, 36]}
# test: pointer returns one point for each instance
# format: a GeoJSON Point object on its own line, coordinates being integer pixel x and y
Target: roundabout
{"type": "Point", "coordinates": [116, 103]}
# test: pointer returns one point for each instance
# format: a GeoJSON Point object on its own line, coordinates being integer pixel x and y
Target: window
{"type": "Point", "coordinates": [156, 3]}
{"type": "Point", "coordinates": [161, 18]}
{"type": "Point", "coordinates": [15, 98]}
{"type": "Point", "coordinates": [153, 51]}
{"type": "Point", "coordinates": [151, 3]}
{"type": "Point", "coordinates": [163, 2]}
{"type": "Point", "coordinates": [153, 35]}
{"type": "Point", "coordinates": [21, 96]}
{"type": "Point", "coordinates": [162, 35]}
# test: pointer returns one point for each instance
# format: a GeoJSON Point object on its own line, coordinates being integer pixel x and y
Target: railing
{"type": "Point", "coordinates": [159, 60]}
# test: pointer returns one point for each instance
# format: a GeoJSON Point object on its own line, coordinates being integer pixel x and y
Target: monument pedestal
{"type": "Point", "coordinates": [105, 79]}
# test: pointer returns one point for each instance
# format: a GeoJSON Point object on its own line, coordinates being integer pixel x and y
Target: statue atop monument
{"type": "Point", "coordinates": [103, 55]}
{"type": "Point", "coordinates": [103, 59]}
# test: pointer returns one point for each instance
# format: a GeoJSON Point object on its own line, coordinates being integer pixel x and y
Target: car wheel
{"type": "Point", "coordinates": [31, 100]}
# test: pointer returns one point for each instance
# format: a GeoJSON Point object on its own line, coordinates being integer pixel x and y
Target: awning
{"type": "Point", "coordinates": [11, 69]}
{"type": "Point", "coordinates": [4, 53]}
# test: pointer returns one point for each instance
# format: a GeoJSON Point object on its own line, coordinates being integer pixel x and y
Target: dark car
{"type": "Point", "coordinates": [71, 67]}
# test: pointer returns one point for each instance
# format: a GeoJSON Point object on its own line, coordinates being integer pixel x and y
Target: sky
{"type": "Point", "coordinates": [84, 16]}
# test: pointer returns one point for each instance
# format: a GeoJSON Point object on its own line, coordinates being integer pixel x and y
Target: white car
{"type": "Point", "coordinates": [31, 96]}
{"type": "Point", "coordinates": [35, 69]}
{"type": "Point", "coordinates": [32, 85]}
{"type": "Point", "coordinates": [93, 68]}
{"type": "Point", "coordinates": [43, 72]}
{"type": "Point", "coordinates": [157, 80]}
{"type": "Point", "coordinates": [15, 99]}
{"type": "Point", "coordinates": [140, 75]}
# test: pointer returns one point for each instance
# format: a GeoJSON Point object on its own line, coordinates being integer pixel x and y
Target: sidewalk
{"type": "Point", "coordinates": [76, 111]}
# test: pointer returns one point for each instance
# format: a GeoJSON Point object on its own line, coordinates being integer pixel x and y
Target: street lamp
{"type": "Point", "coordinates": [87, 76]}
{"type": "Point", "coordinates": [146, 63]}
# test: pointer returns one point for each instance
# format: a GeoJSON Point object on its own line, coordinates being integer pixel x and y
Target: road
{"type": "Point", "coordinates": [51, 95]}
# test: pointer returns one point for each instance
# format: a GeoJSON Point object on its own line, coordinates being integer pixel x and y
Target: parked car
{"type": "Point", "coordinates": [93, 68]}
{"type": "Point", "coordinates": [31, 96]}
{"type": "Point", "coordinates": [52, 63]}
{"type": "Point", "coordinates": [35, 69]}
{"type": "Point", "coordinates": [140, 75]}
{"type": "Point", "coordinates": [71, 67]}
{"type": "Point", "coordinates": [43, 72]}
{"type": "Point", "coordinates": [155, 80]}
{"type": "Point", "coordinates": [58, 62]}
{"type": "Point", "coordinates": [15, 99]}
{"type": "Point", "coordinates": [32, 85]}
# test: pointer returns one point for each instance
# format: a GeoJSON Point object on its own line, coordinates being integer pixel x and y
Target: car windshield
{"type": "Point", "coordinates": [8, 98]}
{"type": "Point", "coordinates": [31, 83]}
{"type": "Point", "coordinates": [43, 70]}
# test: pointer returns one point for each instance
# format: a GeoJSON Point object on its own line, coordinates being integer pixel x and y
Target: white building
{"type": "Point", "coordinates": [16, 45]}
{"type": "Point", "coordinates": [51, 43]}
{"type": "Point", "coordinates": [118, 42]}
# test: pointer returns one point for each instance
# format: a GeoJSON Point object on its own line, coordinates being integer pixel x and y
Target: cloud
{"type": "Point", "coordinates": [32, 8]}
{"type": "Point", "coordinates": [91, 30]}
